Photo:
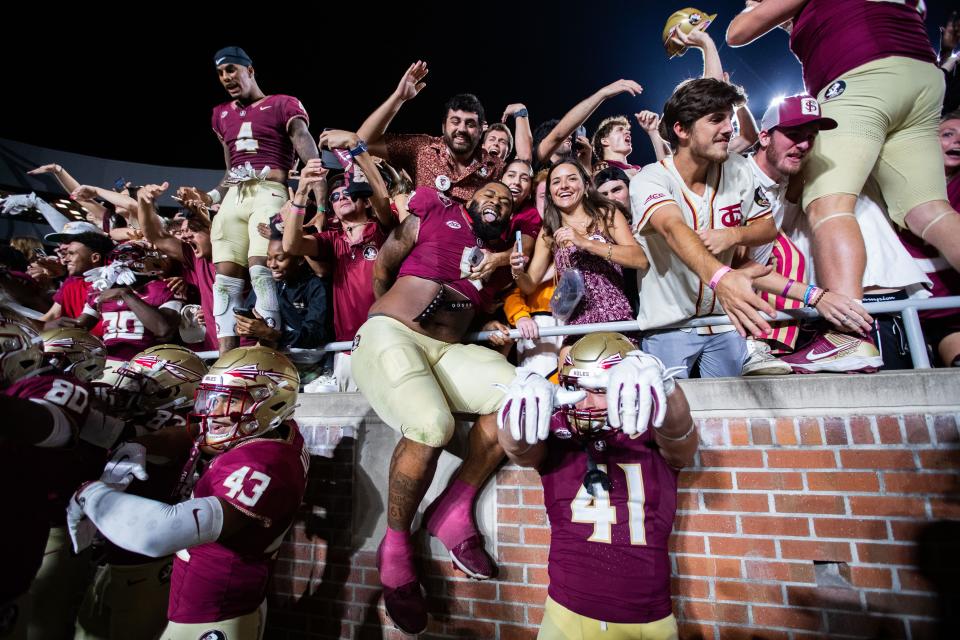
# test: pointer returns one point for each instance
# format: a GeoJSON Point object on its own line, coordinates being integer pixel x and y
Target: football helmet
{"type": "Point", "coordinates": [75, 351]}
{"type": "Point", "coordinates": [685, 20]}
{"type": "Point", "coordinates": [162, 377]}
{"type": "Point", "coordinates": [140, 258]}
{"type": "Point", "coordinates": [247, 392]}
{"type": "Point", "coordinates": [590, 356]}
{"type": "Point", "coordinates": [21, 348]}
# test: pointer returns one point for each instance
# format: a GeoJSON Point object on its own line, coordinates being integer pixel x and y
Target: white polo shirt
{"type": "Point", "coordinates": [670, 292]}
{"type": "Point", "coordinates": [776, 194]}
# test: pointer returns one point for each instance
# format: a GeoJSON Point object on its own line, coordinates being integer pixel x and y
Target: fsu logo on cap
{"type": "Point", "coordinates": [809, 107]}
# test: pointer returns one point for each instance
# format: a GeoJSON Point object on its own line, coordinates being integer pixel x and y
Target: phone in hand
{"type": "Point", "coordinates": [475, 257]}
{"type": "Point", "coordinates": [244, 312]}
{"type": "Point", "coordinates": [518, 246]}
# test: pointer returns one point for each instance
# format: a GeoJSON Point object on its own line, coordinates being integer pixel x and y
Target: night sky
{"type": "Point", "coordinates": [142, 89]}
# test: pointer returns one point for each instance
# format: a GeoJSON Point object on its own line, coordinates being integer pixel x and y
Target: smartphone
{"type": "Point", "coordinates": [581, 132]}
{"type": "Point", "coordinates": [518, 247]}
{"type": "Point", "coordinates": [475, 257]}
{"type": "Point", "coordinates": [244, 312]}
{"type": "Point", "coordinates": [119, 184]}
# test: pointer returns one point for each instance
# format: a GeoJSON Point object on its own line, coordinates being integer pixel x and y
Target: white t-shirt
{"type": "Point", "coordinates": [776, 195]}
{"type": "Point", "coordinates": [670, 292]}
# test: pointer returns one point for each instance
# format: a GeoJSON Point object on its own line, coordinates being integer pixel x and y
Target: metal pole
{"type": "Point", "coordinates": [918, 348]}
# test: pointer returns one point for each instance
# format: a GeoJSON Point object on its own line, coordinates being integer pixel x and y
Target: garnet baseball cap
{"type": "Point", "coordinates": [70, 229]}
{"type": "Point", "coordinates": [794, 111]}
{"type": "Point", "coordinates": [232, 55]}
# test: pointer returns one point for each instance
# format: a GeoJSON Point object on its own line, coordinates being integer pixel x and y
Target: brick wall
{"type": "Point", "coordinates": [797, 527]}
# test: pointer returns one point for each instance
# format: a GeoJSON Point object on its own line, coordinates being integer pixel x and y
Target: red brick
{"type": "Point", "coordinates": [889, 429]}
{"type": "Point", "coordinates": [912, 580]}
{"type": "Point", "coordinates": [521, 477]}
{"type": "Point", "coordinates": [878, 553]}
{"type": "Point", "coordinates": [924, 628]}
{"type": "Point", "coordinates": [739, 434]}
{"type": "Point", "coordinates": [824, 598]}
{"type": "Point", "coordinates": [511, 632]}
{"type": "Point", "coordinates": [885, 506]}
{"type": "Point", "coordinates": [755, 502]}
{"type": "Point", "coordinates": [787, 617]}
{"type": "Point", "coordinates": [461, 628]}
{"type": "Point", "coordinates": [864, 625]}
{"type": "Point", "coordinates": [810, 431]}
{"type": "Point", "coordinates": [523, 555]}
{"type": "Point", "coordinates": [925, 483]}
{"type": "Point", "coordinates": [775, 481]}
{"type": "Point", "coordinates": [706, 523]}
{"type": "Point", "coordinates": [899, 603]}
{"type": "Point", "coordinates": [463, 589]}
{"type": "Point", "coordinates": [870, 578]}
{"type": "Point", "coordinates": [748, 592]}
{"type": "Point", "coordinates": [800, 459]}
{"type": "Point", "coordinates": [876, 459]}
{"type": "Point", "coordinates": [906, 530]}
{"type": "Point", "coordinates": [730, 632]}
{"type": "Point", "coordinates": [945, 509]}
{"type": "Point", "coordinates": [946, 429]}
{"type": "Point", "coordinates": [691, 588]}
{"type": "Point", "coordinates": [511, 573]}
{"type": "Point", "coordinates": [780, 571]}
{"type": "Point", "coordinates": [835, 431]}
{"type": "Point", "coordinates": [508, 496]}
{"type": "Point", "coordinates": [844, 482]}
{"type": "Point", "coordinates": [532, 497]}
{"type": "Point", "coordinates": [761, 432]}
{"type": "Point", "coordinates": [536, 536]}
{"type": "Point", "coordinates": [805, 503]}
{"type": "Point", "coordinates": [742, 547]}
{"type": "Point", "coordinates": [711, 432]}
{"type": "Point", "coordinates": [940, 459]}
{"type": "Point", "coordinates": [861, 430]}
{"type": "Point", "coordinates": [534, 615]}
{"type": "Point", "coordinates": [917, 430]}
{"type": "Point", "coordinates": [850, 528]}
{"type": "Point", "coordinates": [518, 515]}
{"type": "Point", "coordinates": [519, 593]}
{"type": "Point", "coordinates": [499, 611]}
{"type": "Point", "coordinates": [786, 433]}
{"type": "Point", "coordinates": [705, 566]}
{"type": "Point", "coordinates": [815, 550]}
{"type": "Point", "coordinates": [699, 610]}
{"type": "Point", "coordinates": [507, 534]}
{"type": "Point", "coordinates": [688, 544]}
{"type": "Point", "coordinates": [538, 576]}
{"type": "Point", "coordinates": [758, 525]}
{"type": "Point", "coordinates": [695, 630]}
{"type": "Point", "coordinates": [688, 501]}
{"type": "Point", "coordinates": [713, 458]}
{"type": "Point", "coordinates": [705, 480]}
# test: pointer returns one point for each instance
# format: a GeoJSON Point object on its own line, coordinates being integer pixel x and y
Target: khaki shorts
{"type": "Point", "coordinates": [888, 116]}
{"type": "Point", "coordinates": [248, 627]}
{"type": "Point", "coordinates": [234, 230]}
{"type": "Point", "coordinates": [126, 601]}
{"type": "Point", "coordinates": [416, 383]}
{"type": "Point", "coordinates": [559, 623]}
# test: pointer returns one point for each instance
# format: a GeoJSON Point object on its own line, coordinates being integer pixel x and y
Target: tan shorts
{"type": "Point", "coordinates": [234, 230]}
{"type": "Point", "coordinates": [248, 627]}
{"type": "Point", "coordinates": [559, 623]}
{"type": "Point", "coordinates": [58, 588]}
{"type": "Point", "coordinates": [126, 601]}
{"type": "Point", "coordinates": [888, 116]}
{"type": "Point", "coordinates": [416, 383]}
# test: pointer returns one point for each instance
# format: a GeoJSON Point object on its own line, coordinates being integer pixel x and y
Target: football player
{"type": "Point", "coordinates": [262, 135]}
{"type": "Point", "coordinates": [226, 535]}
{"type": "Point", "coordinates": [608, 459]}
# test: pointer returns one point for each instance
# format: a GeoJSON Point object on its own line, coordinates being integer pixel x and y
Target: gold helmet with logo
{"type": "Point", "coordinates": [75, 351]}
{"type": "Point", "coordinates": [591, 356]}
{"type": "Point", "coordinates": [686, 20]}
{"type": "Point", "coordinates": [247, 392]}
{"type": "Point", "coordinates": [163, 377]}
{"type": "Point", "coordinates": [21, 348]}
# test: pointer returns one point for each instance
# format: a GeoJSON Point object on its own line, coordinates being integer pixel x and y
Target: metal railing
{"type": "Point", "coordinates": [906, 308]}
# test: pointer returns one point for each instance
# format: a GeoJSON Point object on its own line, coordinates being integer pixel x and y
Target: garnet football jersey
{"type": "Point", "coordinates": [258, 133]}
{"type": "Point", "coordinates": [123, 333]}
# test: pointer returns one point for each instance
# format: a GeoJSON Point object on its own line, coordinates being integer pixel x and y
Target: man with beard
{"type": "Point", "coordinates": [454, 164]}
{"type": "Point", "coordinates": [408, 363]}
{"type": "Point", "coordinates": [702, 186]}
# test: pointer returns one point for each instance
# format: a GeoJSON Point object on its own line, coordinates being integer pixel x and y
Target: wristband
{"type": "Point", "coordinates": [693, 427]}
{"type": "Point", "coordinates": [818, 297]}
{"type": "Point", "coordinates": [214, 196]}
{"type": "Point", "coordinates": [298, 206]}
{"type": "Point", "coordinates": [357, 150]}
{"type": "Point", "coordinates": [786, 289]}
{"type": "Point", "coordinates": [719, 273]}
{"type": "Point", "coordinates": [808, 293]}
{"type": "Point", "coordinates": [522, 113]}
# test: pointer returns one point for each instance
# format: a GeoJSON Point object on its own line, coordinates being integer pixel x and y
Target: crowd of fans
{"type": "Point", "coordinates": [736, 217]}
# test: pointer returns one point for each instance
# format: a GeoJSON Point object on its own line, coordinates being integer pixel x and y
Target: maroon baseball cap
{"type": "Point", "coordinates": [794, 111]}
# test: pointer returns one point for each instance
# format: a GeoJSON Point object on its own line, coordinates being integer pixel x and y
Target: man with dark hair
{"type": "Point", "coordinates": [497, 140]}
{"type": "Point", "coordinates": [84, 251]}
{"type": "Point", "coordinates": [703, 186]}
{"type": "Point", "coordinates": [612, 143]}
{"type": "Point", "coordinates": [454, 163]}
{"type": "Point", "coordinates": [613, 183]}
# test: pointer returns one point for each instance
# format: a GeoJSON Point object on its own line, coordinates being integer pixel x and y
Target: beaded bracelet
{"type": "Point", "coordinates": [609, 252]}
{"type": "Point", "coordinates": [819, 296]}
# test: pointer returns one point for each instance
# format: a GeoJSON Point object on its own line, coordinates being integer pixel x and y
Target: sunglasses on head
{"type": "Point", "coordinates": [336, 196]}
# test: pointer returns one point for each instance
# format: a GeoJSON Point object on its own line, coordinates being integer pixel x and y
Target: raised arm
{"type": "Point", "coordinates": [759, 18]}
{"type": "Point", "coordinates": [294, 241]}
{"type": "Point", "coordinates": [650, 122]}
{"type": "Point", "coordinates": [380, 201]}
{"type": "Point", "coordinates": [698, 38]}
{"type": "Point", "coordinates": [150, 224]}
{"type": "Point", "coordinates": [579, 114]}
{"type": "Point", "coordinates": [522, 134]}
{"type": "Point", "coordinates": [69, 183]}
{"type": "Point", "coordinates": [376, 124]}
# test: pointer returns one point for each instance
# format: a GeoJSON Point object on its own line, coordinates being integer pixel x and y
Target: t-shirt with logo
{"type": "Point", "coordinates": [72, 298]}
{"type": "Point", "coordinates": [670, 291]}
{"type": "Point", "coordinates": [265, 479]}
{"type": "Point", "coordinates": [258, 133]}
{"type": "Point", "coordinates": [124, 334]}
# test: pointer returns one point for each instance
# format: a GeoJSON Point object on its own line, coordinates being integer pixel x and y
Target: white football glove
{"type": "Point", "coordinates": [81, 529]}
{"type": "Point", "coordinates": [637, 390]}
{"type": "Point", "coordinates": [104, 278]}
{"type": "Point", "coordinates": [528, 404]}
{"type": "Point", "coordinates": [15, 205]}
{"type": "Point", "coordinates": [127, 463]}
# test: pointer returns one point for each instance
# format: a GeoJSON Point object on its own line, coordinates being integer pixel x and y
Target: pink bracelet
{"type": "Point", "coordinates": [786, 289]}
{"type": "Point", "coordinates": [719, 273]}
